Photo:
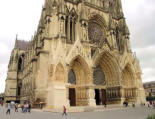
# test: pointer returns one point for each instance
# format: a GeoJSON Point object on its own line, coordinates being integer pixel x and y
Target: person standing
{"type": "Point", "coordinates": [64, 111]}
{"type": "Point", "coordinates": [25, 108]}
{"type": "Point", "coordinates": [29, 108]}
{"type": "Point", "coordinates": [8, 108]}
{"type": "Point", "coordinates": [22, 106]}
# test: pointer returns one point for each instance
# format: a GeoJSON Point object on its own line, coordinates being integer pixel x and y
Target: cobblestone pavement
{"type": "Point", "coordinates": [122, 113]}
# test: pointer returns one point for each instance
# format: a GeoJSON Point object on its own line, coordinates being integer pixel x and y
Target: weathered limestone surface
{"type": "Point", "coordinates": [80, 55]}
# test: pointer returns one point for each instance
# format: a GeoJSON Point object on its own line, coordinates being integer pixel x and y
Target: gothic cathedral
{"type": "Point", "coordinates": [79, 56]}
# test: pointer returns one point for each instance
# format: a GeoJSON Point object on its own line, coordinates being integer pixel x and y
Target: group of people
{"type": "Point", "coordinates": [26, 107]}
{"type": "Point", "coordinates": [151, 104]}
{"type": "Point", "coordinates": [148, 104]}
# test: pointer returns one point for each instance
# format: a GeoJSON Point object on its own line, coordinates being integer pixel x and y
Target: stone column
{"type": "Point", "coordinates": [91, 97]}
{"type": "Point", "coordinates": [68, 30]}
{"type": "Point", "coordinates": [63, 28]}
{"type": "Point", "coordinates": [73, 29]}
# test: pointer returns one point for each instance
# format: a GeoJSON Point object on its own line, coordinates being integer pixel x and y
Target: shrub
{"type": "Point", "coordinates": [151, 117]}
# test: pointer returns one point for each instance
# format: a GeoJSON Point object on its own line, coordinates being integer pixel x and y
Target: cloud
{"type": "Point", "coordinates": [140, 19]}
{"type": "Point", "coordinates": [3, 70]}
{"type": "Point", "coordinates": [17, 17]}
{"type": "Point", "coordinates": [147, 57]}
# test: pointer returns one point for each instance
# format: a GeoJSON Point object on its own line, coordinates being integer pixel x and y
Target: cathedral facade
{"type": "Point", "coordinates": [80, 55]}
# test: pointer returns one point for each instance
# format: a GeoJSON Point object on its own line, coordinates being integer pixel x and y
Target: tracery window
{"type": "Point", "coordinates": [95, 32]}
{"type": "Point", "coordinates": [99, 76]}
{"type": "Point", "coordinates": [71, 77]}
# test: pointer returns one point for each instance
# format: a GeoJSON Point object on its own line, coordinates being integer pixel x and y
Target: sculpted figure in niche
{"type": "Point", "coordinates": [120, 40]}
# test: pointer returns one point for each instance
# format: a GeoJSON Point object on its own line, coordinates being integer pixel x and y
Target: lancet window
{"type": "Point", "coordinates": [70, 23]}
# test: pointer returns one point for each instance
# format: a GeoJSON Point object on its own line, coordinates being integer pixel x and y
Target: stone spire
{"type": "Point", "coordinates": [16, 42]}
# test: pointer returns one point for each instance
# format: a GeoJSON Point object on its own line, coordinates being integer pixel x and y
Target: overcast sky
{"type": "Point", "coordinates": [22, 16]}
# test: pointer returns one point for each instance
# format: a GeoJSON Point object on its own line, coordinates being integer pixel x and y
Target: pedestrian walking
{"type": "Point", "coordinates": [64, 111]}
{"type": "Point", "coordinates": [8, 109]}
{"type": "Point", "coordinates": [16, 107]}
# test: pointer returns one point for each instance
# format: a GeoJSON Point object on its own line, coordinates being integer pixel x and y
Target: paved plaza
{"type": "Point", "coordinates": [118, 113]}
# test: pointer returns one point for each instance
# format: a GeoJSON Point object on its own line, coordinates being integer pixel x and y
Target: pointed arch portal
{"type": "Point", "coordinates": [106, 75]}
{"type": "Point", "coordinates": [128, 84]}
{"type": "Point", "coordinates": [79, 79]}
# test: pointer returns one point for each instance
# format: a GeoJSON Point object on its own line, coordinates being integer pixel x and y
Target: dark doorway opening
{"type": "Point", "coordinates": [72, 97]}
{"type": "Point", "coordinates": [97, 97]}
{"type": "Point", "coordinates": [103, 96]}
{"type": "Point", "coordinates": [17, 101]}
{"type": "Point", "coordinates": [19, 89]}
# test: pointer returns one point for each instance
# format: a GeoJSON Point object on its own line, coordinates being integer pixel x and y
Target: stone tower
{"type": "Point", "coordinates": [81, 56]}
{"type": "Point", "coordinates": [14, 81]}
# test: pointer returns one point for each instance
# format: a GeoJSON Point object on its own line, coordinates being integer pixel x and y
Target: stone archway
{"type": "Point", "coordinates": [79, 70]}
{"type": "Point", "coordinates": [110, 77]}
{"type": "Point", "coordinates": [109, 66]}
{"type": "Point", "coordinates": [128, 84]}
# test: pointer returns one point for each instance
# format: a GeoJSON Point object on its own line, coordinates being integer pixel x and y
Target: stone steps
{"type": "Point", "coordinates": [86, 108]}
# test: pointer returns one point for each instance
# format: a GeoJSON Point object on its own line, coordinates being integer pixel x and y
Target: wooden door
{"type": "Point", "coordinates": [72, 97]}
{"type": "Point", "coordinates": [103, 96]}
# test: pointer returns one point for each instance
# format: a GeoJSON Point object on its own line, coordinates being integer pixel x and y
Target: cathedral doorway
{"type": "Point", "coordinates": [100, 96]}
{"type": "Point", "coordinates": [72, 96]}
{"type": "Point", "coordinates": [128, 82]}
{"type": "Point", "coordinates": [78, 78]}
{"type": "Point", "coordinates": [106, 76]}
{"type": "Point", "coordinates": [97, 97]}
